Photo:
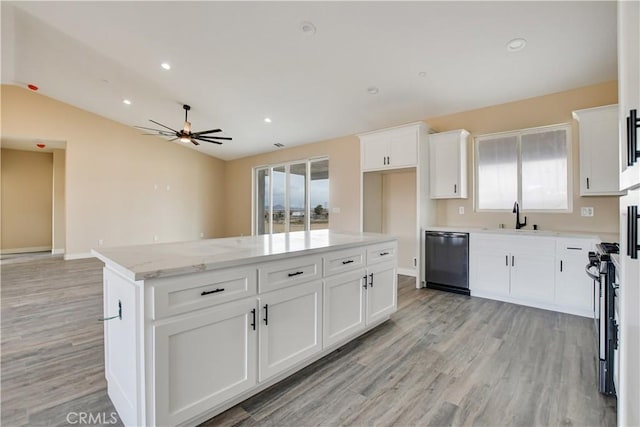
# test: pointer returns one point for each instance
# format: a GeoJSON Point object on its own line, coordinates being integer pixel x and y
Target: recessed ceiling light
{"type": "Point", "coordinates": [126, 101]}
{"type": "Point", "coordinates": [308, 28]}
{"type": "Point", "coordinates": [267, 120]}
{"type": "Point", "coordinates": [516, 44]}
{"type": "Point", "coordinates": [372, 90]}
{"type": "Point", "coordinates": [166, 65]}
{"type": "Point", "coordinates": [422, 74]}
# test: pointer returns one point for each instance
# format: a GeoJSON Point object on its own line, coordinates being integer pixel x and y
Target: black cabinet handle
{"type": "Point", "coordinates": [513, 260]}
{"type": "Point", "coordinates": [384, 253]}
{"type": "Point", "coordinates": [253, 322]}
{"type": "Point", "coordinates": [215, 291]}
{"type": "Point", "coordinates": [365, 281]}
{"type": "Point", "coordinates": [560, 266]}
{"type": "Point", "coordinates": [297, 273]}
{"type": "Point", "coordinates": [266, 314]}
{"type": "Point", "coordinates": [455, 188]}
{"type": "Point", "coordinates": [573, 249]}
{"type": "Point", "coordinates": [117, 316]}
{"type": "Point", "coordinates": [587, 183]}
{"type": "Point", "coordinates": [633, 123]}
{"type": "Point", "coordinates": [371, 280]}
{"type": "Point", "coordinates": [349, 261]}
{"type": "Point", "coordinates": [632, 232]}
{"type": "Point", "coordinates": [506, 260]}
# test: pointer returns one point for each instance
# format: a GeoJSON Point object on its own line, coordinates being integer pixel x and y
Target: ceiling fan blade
{"type": "Point", "coordinates": [194, 142]}
{"type": "Point", "coordinates": [171, 140]}
{"type": "Point", "coordinates": [209, 140]}
{"type": "Point", "coordinates": [158, 134]}
{"type": "Point", "coordinates": [155, 130]}
{"type": "Point", "coordinates": [207, 131]}
{"type": "Point", "coordinates": [215, 137]}
{"type": "Point", "coordinates": [167, 127]}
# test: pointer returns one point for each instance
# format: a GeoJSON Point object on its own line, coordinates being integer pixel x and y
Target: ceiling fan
{"type": "Point", "coordinates": [185, 135]}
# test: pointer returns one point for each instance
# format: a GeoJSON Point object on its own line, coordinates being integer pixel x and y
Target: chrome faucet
{"type": "Point", "coordinates": [516, 210]}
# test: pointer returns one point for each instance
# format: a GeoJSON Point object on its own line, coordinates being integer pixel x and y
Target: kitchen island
{"type": "Point", "coordinates": [197, 327]}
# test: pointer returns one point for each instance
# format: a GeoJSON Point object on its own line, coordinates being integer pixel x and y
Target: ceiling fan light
{"type": "Point", "coordinates": [185, 139]}
{"type": "Point", "coordinates": [187, 127]}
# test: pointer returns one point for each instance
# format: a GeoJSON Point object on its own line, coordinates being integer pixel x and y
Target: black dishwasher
{"type": "Point", "coordinates": [447, 261]}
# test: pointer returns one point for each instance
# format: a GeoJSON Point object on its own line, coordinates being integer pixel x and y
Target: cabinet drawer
{"type": "Point", "coordinates": [180, 294]}
{"type": "Point", "coordinates": [341, 261]}
{"type": "Point", "coordinates": [280, 274]}
{"type": "Point", "coordinates": [382, 252]}
{"type": "Point", "coordinates": [576, 245]}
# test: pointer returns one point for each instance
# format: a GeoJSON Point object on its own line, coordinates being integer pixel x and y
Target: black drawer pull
{"type": "Point", "coordinates": [253, 322]}
{"type": "Point", "coordinates": [573, 249]}
{"type": "Point", "coordinates": [587, 183]}
{"type": "Point", "coordinates": [297, 273]}
{"type": "Point", "coordinates": [455, 188]}
{"type": "Point", "coordinates": [266, 314]}
{"type": "Point", "coordinates": [632, 232]}
{"type": "Point", "coordinates": [633, 123]}
{"type": "Point", "coordinates": [371, 281]}
{"type": "Point", "coordinates": [384, 253]}
{"type": "Point", "coordinates": [215, 291]}
{"type": "Point", "coordinates": [560, 266]}
{"type": "Point", "coordinates": [349, 261]}
{"type": "Point", "coordinates": [364, 285]}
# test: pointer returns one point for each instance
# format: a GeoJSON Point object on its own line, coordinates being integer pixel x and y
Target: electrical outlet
{"type": "Point", "coordinates": [100, 243]}
{"type": "Point", "coordinates": [586, 211]}
{"type": "Point", "coordinates": [461, 210]}
{"type": "Point", "coordinates": [201, 235]}
{"type": "Point", "coordinates": [155, 238]}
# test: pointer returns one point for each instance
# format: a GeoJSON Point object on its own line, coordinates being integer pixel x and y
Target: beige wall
{"type": "Point", "coordinates": [540, 111]}
{"type": "Point", "coordinates": [344, 183]}
{"type": "Point", "coordinates": [26, 186]}
{"type": "Point", "coordinates": [58, 237]}
{"type": "Point", "coordinates": [399, 213]}
{"type": "Point", "coordinates": [111, 174]}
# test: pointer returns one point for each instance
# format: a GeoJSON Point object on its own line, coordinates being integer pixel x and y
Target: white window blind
{"type": "Point", "coordinates": [529, 166]}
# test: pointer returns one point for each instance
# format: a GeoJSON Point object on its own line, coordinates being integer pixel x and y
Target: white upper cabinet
{"type": "Point", "coordinates": [448, 164]}
{"type": "Point", "coordinates": [599, 158]}
{"type": "Point", "coordinates": [390, 148]}
{"type": "Point", "coordinates": [629, 92]}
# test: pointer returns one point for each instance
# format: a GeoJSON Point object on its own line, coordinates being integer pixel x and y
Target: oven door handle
{"type": "Point", "coordinates": [587, 270]}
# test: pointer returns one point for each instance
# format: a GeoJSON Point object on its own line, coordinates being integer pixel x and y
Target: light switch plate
{"type": "Point", "coordinates": [461, 210]}
{"type": "Point", "coordinates": [586, 211]}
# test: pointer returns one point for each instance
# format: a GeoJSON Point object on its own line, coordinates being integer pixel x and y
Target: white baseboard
{"type": "Point", "coordinates": [58, 251]}
{"type": "Point", "coordinates": [81, 255]}
{"type": "Point", "coordinates": [25, 250]}
{"type": "Point", "coordinates": [407, 271]}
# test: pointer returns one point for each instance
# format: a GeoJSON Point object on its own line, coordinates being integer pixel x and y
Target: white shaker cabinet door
{"type": "Point", "coordinates": [204, 359]}
{"type": "Point", "coordinates": [533, 278]}
{"type": "Point", "coordinates": [574, 289]}
{"type": "Point", "coordinates": [344, 310]}
{"type": "Point", "coordinates": [489, 273]}
{"type": "Point", "coordinates": [403, 147]}
{"type": "Point", "coordinates": [381, 291]}
{"type": "Point", "coordinates": [290, 327]}
{"type": "Point", "coordinates": [375, 151]}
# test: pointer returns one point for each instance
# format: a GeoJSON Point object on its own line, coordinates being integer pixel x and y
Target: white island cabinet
{"type": "Point", "coordinates": [197, 327]}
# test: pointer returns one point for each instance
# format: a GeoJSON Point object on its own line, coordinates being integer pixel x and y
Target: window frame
{"type": "Point", "coordinates": [519, 133]}
{"type": "Point", "coordinates": [254, 174]}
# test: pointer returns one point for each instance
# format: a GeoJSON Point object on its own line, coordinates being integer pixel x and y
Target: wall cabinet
{"type": "Point", "coordinates": [390, 148]}
{"type": "Point", "coordinates": [448, 164]}
{"type": "Point", "coordinates": [629, 93]}
{"type": "Point", "coordinates": [540, 271]}
{"type": "Point", "coordinates": [599, 151]}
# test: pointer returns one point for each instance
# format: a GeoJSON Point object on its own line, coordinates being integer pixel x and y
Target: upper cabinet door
{"type": "Point", "coordinates": [448, 164]}
{"type": "Point", "coordinates": [403, 147]}
{"type": "Point", "coordinates": [629, 91]}
{"type": "Point", "coordinates": [374, 150]}
{"type": "Point", "coordinates": [598, 136]}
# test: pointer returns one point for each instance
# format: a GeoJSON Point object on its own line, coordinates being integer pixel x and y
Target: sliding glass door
{"type": "Point", "coordinates": [291, 197]}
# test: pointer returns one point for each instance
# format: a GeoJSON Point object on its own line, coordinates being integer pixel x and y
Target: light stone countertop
{"type": "Point", "coordinates": [604, 237]}
{"type": "Point", "coordinates": [169, 259]}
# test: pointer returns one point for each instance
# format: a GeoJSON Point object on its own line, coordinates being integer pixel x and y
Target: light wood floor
{"type": "Point", "coordinates": [442, 359]}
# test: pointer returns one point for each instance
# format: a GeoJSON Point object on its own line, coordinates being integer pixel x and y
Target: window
{"type": "Point", "coordinates": [292, 196]}
{"type": "Point", "coordinates": [529, 166]}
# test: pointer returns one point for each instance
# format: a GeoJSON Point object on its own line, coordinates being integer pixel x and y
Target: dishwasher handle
{"type": "Point", "coordinates": [446, 234]}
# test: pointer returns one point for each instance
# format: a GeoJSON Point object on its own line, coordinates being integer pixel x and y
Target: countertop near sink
{"type": "Point", "coordinates": [603, 237]}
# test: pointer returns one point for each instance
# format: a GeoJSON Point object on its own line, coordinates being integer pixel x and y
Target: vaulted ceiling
{"type": "Point", "coordinates": [308, 66]}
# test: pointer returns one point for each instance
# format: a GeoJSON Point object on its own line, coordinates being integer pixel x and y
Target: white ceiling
{"type": "Point", "coordinates": [236, 63]}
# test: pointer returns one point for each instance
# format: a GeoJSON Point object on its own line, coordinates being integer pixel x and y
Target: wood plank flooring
{"type": "Point", "coordinates": [443, 359]}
